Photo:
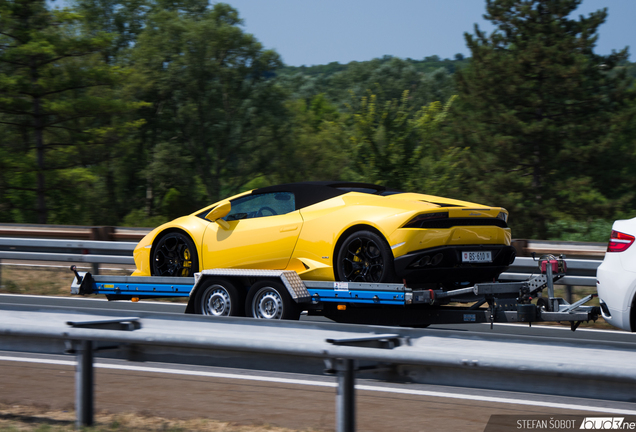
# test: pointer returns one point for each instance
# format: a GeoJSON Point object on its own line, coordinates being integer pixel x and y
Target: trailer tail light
{"type": "Point", "coordinates": [620, 242]}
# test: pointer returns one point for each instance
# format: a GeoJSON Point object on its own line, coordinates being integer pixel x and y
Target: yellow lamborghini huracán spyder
{"type": "Point", "coordinates": [336, 231]}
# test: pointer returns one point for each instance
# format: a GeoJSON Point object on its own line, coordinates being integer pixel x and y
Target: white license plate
{"type": "Point", "coordinates": [477, 257]}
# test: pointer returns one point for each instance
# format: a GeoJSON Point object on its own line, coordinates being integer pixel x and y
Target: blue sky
{"type": "Point", "coordinates": [311, 32]}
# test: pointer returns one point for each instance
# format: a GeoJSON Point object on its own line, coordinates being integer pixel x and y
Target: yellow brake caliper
{"type": "Point", "coordinates": [187, 264]}
{"type": "Point", "coordinates": [356, 258]}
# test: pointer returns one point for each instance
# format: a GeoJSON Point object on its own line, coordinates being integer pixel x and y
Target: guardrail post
{"type": "Point", "coordinates": [345, 400]}
{"type": "Point", "coordinates": [84, 384]}
{"type": "Point", "coordinates": [568, 293]}
{"type": "Point", "coordinates": [346, 370]}
{"type": "Point", "coordinates": [84, 375]}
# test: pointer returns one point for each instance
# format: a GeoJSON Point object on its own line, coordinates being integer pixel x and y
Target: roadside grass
{"type": "Point", "coordinates": [47, 281]}
{"type": "Point", "coordinates": [25, 418]}
{"type": "Point", "coordinates": [50, 281]}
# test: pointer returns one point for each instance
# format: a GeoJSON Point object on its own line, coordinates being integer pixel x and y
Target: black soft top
{"type": "Point", "coordinates": [309, 193]}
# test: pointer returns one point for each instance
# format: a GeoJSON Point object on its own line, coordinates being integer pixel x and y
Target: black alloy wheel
{"type": "Point", "coordinates": [174, 255]}
{"type": "Point", "coordinates": [364, 256]}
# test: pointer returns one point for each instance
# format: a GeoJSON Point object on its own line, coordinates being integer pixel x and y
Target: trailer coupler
{"type": "Point", "coordinates": [82, 283]}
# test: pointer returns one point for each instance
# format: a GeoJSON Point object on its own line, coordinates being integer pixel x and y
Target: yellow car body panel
{"type": "Point", "coordinates": [324, 223]}
{"type": "Point", "coordinates": [307, 239]}
{"type": "Point", "coordinates": [234, 247]}
{"type": "Point", "coordinates": [191, 225]}
{"type": "Point", "coordinates": [412, 239]}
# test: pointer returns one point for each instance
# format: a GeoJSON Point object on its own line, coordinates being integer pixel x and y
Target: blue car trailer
{"type": "Point", "coordinates": [282, 294]}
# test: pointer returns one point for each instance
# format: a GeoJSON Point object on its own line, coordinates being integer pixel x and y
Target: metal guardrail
{"type": "Point", "coordinates": [581, 272]}
{"type": "Point", "coordinates": [108, 233]}
{"type": "Point", "coordinates": [71, 251]}
{"type": "Point", "coordinates": [569, 248]}
{"type": "Point", "coordinates": [103, 233]}
{"type": "Point", "coordinates": [573, 367]}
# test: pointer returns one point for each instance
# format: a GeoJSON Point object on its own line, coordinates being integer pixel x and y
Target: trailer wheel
{"type": "Point", "coordinates": [365, 256]}
{"type": "Point", "coordinates": [270, 300]}
{"type": "Point", "coordinates": [542, 302]}
{"type": "Point", "coordinates": [219, 297]}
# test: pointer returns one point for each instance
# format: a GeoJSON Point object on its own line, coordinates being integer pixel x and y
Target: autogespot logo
{"type": "Point", "coordinates": [606, 423]}
{"type": "Point", "coordinates": [562, 423]}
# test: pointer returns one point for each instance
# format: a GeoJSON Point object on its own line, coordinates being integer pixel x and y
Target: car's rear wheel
{"type": "Point", "coordinates": [271, 300]}
{"type": "Point", "coordinates": [364, 256]}
{"type": "Point", "coordinates": [219, 297]}
{"type": "Point", "coordinates": [174, 255]}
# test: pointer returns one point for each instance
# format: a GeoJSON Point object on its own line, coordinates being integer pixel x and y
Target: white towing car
{"type": "Point", "coordinates": [616, 277]}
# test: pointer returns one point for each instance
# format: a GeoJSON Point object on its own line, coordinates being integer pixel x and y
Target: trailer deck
{"type": "Point", "coordinates": [282, 294]}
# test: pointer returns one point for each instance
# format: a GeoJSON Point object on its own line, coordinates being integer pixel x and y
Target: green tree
{"type": "Point", "coordinates": [53, 85]}
{"type": "Point", "coordinates": [538, 107]}
{"type": "Point", "coordinates": [390, 140]}
{"type": "Point", "coordinates": [123, 21]}
{"type": "Point", "coordinates": [119, 181]}
{"type": "Point", "coordinates": [214, 99]}
{"type": "Point", "coordinates": [387, 79]}
{"type": "Point", "coordinates": [314, 144]}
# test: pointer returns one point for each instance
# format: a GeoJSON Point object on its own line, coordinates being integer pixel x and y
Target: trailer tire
{"type": "Point", "coordinates": [271, 300]}
{"type": "Point", "coordinates": [542, 302]}
{"type": "Point", "coordinates": [219, 297]}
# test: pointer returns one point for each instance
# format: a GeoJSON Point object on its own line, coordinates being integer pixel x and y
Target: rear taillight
{"type": "Point", "coordinates": [418, 220]}
{"type": "Point", "coordinates": [619, 241]}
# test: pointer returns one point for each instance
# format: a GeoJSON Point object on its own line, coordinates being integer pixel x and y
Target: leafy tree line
{"type": "Point", "coordinates": [133, 112]}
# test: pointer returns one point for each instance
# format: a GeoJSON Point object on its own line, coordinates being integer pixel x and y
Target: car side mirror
{"type": "Point", "coordinates": [218, 213]}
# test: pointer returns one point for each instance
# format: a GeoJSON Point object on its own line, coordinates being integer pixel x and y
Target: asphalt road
{"type": "Point", "coordinates": [280, 399]}
{"type": "Point", "coordinates": [536, 331]}
{"type": "Point", "coordinates": [283, 399]}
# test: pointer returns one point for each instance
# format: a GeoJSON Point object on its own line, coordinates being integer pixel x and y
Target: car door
{"type": "Point", "coordinates": [262, 233]}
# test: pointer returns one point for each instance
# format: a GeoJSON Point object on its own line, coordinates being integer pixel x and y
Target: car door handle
{"type": "Point", "coordinates": [289, 228]}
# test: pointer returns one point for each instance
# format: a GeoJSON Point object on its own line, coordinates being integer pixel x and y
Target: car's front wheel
{"type": "Point", "coordinates": [364, 256]}
{"type": "Point", "coordinates": [174, 255]}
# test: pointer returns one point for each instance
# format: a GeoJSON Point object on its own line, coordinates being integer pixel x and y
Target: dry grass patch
{"type": "Point", "coordinates": [14, 417]}
{"type": "Point", "coordinates": [50, 281]}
